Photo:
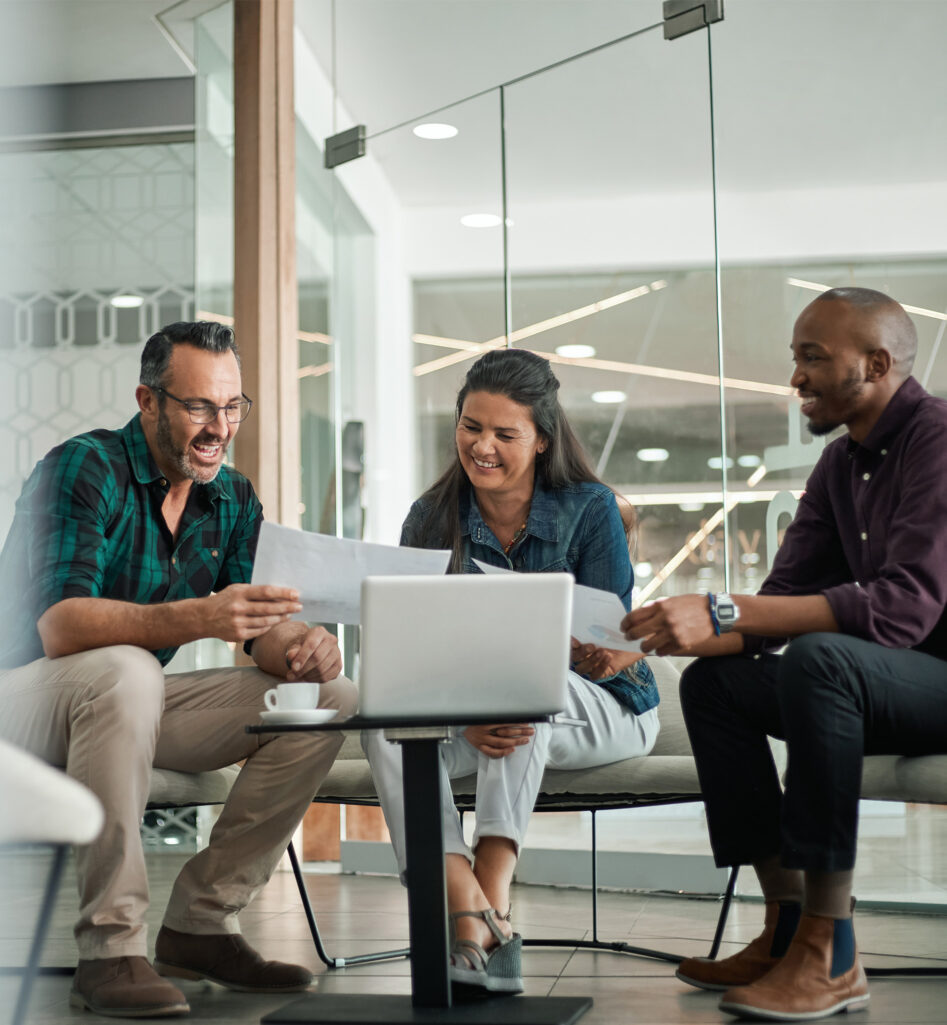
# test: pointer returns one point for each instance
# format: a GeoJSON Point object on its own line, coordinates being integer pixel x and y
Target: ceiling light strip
{"type": "Point", "coordinates": [669, 374]}
{"type": "Point", "coordinates": [323, 368]}
{"type": "Point", "coordinates": [815, 286]}
{"type": "Point", "coordinates": [446, 343]}
{"type": "Point", "coordinates": [302, 336]}
{"type": "Point", "coordinates": [538, 328]}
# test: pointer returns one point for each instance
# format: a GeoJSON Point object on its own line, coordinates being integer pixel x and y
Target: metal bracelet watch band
{"type": "Point", "coordinates": [727, 612]}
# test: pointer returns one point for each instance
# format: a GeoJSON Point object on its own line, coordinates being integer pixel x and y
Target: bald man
{"type": "Point", "coordinates": [858, 590]}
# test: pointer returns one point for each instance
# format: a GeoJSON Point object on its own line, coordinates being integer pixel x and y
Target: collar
{"type": "Point", "coordinates": [894, 418]}
{"type": "Point", "coordinates": [542, 522]}
{"type": "Point", "coordinates": [145, 469]}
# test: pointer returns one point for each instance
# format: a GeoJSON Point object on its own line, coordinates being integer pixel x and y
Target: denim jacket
{"type": "Point", "coordinates": [576, 529]}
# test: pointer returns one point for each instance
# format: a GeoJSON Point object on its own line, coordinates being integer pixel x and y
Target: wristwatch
{"type": "Point", "coordinates": [727, 612]}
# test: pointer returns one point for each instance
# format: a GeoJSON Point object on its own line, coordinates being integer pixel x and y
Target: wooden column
{"type": "Point", "coordinates": [266, 305]}
{"type": "Point", "coordinates": [267, 448]}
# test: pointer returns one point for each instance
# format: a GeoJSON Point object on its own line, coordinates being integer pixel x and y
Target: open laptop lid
{"type": "Point", "coordinates": [465, 645]}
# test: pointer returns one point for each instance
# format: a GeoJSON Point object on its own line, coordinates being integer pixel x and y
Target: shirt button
{"type": "Point", "coordinates": [866, 476]}
{"type": "Point", "coordinates": [163, 482]}
{"type": "Point", "coordinates": [214, 553]}
{"type": "Point", "coordinates": [864, 536]}
{"type": "Point", "coordinates": [884, 451]}
{"type": "Point", "coordinates": [174, 560]}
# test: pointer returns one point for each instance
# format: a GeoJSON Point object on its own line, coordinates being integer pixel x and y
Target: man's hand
{"type": "Point", "coordinates": [599, 663]}
{"type": "Point", "coordinates": [314, 657]}
{"type": "Point", "coordinates": [499, 741]}
{"type": "Point", "coordinates": [241, 612]}
{"type": "Point", "coordinates": [671, 626]}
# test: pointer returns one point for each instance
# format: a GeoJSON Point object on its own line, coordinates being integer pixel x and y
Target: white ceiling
{"type": "Point", "coordinates": [806, 90]}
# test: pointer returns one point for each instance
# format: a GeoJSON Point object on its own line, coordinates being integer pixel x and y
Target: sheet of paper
{"type": "Point", "coordinates": [328, 571]}
{"type": "Point", "coordinates": [596, 615]}
{"type": "Point", "coordinates": [596, 619]}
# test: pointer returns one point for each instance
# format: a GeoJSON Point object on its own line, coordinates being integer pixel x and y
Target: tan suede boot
{"type": "Point", "coordinates": [125, 987]}
{"type": "Point", "coordinates": [740, 969]}
{"type": "Point", "coordinates": [801, 987]}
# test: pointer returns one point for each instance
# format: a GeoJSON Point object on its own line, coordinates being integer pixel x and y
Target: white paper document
{"type": "Point", "coordinates": [596, 615]}
{"type": "Point", "coordinates": [328, 571]}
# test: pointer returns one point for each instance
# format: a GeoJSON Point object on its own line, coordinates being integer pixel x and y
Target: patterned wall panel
{"type": "Point", "coordinates": [77, 228]}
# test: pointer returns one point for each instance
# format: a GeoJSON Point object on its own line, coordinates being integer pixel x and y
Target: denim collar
{"type": "Point", "coordinates": [542, 523]}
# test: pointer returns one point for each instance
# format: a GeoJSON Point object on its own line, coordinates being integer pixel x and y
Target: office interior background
{"type": "Point", "coordinates": [650, 214]}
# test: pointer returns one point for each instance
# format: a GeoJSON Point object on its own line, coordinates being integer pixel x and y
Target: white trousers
{"type": "Point", "coordinates": [507, 787]}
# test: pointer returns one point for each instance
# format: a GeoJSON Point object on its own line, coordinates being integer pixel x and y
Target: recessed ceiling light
{"type": "Point", "coordinates": [652, 455]}
{"type": "Point", "coordinates": [433, 130]}
{"type": "Point", "coordinates": [716, 463]}
{"type": "Point", "coordinates": [749, 461]}
{"type": "Point", "coordinates": [691, 506]}
{"type": "Point", "coordinates": [609, 398]}
{"type": "Point", "coordinates": [644, 569]}
{"type": "Point", "coordinates": [575, 351]}
{"type": "Point", "coordinates": [481, 221]}
{"type": "Point", "coordinates": [127, 301]}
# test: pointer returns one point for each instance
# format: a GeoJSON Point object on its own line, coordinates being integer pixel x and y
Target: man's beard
{"type": "Point", "coordinates": [848, 392]}
{"type": "Point", "coordinates": [177, 456]}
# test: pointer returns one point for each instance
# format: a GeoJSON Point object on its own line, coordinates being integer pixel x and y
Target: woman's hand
{"type": "Point", "coordinates": [499, 741]}
{"type": "Point", "coordinates": [600, 663]}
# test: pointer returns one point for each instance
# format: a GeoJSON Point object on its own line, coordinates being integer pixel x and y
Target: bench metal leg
{"type": "Point", "coordinates": [626, 948]}
{"type": "Point", "coordinates": [333, 962]}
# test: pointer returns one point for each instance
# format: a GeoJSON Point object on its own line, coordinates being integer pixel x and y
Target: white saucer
{"type": "Point", "coordinates": [298, 716]}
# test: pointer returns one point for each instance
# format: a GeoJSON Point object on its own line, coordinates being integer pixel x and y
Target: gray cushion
{"type": "Point", "coordinates": [667, 774]}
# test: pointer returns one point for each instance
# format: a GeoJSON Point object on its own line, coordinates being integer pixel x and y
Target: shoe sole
{"type": "Point", "coordinates": [471, 979]}
{"type": "Point", "coordinates": [168, 970]}
{"type": "Point", "coordinates": [78, 1001]}
{"type": "Point", "coordinates": [714, 987]}
{"type": "Point", "coordinates": [859, 1003]}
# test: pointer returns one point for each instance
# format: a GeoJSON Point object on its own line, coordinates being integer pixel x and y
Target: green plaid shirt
{"type": "Point", "coordinates": [88, 523]}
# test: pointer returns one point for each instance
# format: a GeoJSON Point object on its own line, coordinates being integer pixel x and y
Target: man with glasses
{"type": "Point", "coordinates": [125, 545]}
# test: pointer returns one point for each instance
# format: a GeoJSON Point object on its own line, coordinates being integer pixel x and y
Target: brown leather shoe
{"type": "Point", "coordinates": [740, 969]}
{"type": "Point", "coordinates": [801, 986]}
{"type": "Point", "coordinates": [225, 958]}
{"type": "Point", "coordinates": [125, 987]}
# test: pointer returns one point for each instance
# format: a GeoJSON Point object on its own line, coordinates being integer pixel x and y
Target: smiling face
{"type": "Point", "coordinates": [832, 360]}
{"type": "Point", "coordinates": [186, 451]}
{"type": "Point", "coordinates": [497, 444]}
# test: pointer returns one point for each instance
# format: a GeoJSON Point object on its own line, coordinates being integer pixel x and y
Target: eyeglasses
{"type": "Point", "coordinates": [202, 412]}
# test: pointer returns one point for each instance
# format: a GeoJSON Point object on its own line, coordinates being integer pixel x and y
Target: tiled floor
{"type": "Point", "coordinates": [368, 913]}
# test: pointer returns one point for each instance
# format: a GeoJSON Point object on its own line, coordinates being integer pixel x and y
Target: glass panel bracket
{"type": "Point", "coordinates": [344, 146]}
{"type": "Point", "coordinates": [681, 17]}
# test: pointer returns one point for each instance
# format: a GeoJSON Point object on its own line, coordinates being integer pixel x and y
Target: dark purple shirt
{"type": "Point", "coordinates": [871, 529]}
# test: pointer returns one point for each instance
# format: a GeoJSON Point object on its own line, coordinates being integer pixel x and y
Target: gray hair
{"type": "Point", "coordinates": [202, 334]}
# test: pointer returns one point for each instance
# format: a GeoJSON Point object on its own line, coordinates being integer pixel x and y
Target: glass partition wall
{"type": "Point", "coordinates": [652, 216]}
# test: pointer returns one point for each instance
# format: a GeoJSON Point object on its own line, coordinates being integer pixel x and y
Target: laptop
{"type": "Point", "coordinates": [465, 646]}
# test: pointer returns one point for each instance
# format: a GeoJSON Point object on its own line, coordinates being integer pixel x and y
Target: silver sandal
{"type": "Point", "coordinates": [498, 970]}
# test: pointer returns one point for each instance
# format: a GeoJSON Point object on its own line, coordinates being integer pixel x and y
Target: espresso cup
{"type": "Point", "coordinates": [291, 697]}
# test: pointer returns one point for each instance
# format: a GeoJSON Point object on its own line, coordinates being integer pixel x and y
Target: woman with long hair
{"type": "Point", "coordinates": [519, 494]}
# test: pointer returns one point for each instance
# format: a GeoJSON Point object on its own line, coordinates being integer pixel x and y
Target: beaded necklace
{"type": "Point", "coordinates": [508, 548]}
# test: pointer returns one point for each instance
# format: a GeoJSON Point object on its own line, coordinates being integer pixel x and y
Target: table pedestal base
{"type": "Point", "coordinates": [381, 1009]}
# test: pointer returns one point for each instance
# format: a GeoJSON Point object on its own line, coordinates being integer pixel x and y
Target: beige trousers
{"type": "Point", "coordinates": [110, 714]}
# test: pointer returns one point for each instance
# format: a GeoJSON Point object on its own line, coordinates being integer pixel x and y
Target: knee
{"type": "Point", "coordinates": [127, 684]}
{"type": "Point", "coordinates": [699, 680]}
{"type": "Point", "coordinates": [811, 666]}
{"type": "Point", "coordinates": [339, 693]}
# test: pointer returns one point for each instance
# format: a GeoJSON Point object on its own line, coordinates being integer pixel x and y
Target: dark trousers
{"type": "Point", "coordinates": [833, 699]}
